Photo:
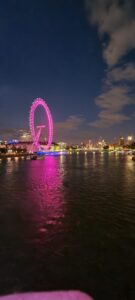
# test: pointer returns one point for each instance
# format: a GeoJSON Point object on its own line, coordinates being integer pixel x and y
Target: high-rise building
{"type": "Point", "coordinates": [121, 141]}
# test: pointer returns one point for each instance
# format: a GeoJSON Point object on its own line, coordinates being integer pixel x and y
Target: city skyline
{"type": "Point", "coordinates": [78, 56]}
{"type": "Point", "coordinates": [24, 136]}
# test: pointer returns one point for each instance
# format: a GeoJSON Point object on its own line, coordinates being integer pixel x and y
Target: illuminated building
{"type": "Point", "coordinates": [89, 145]}
{"type": "Point", "coordinates": [55, 147]}
{"type": "Point", "coordinates": [121, 141]}
{"type": "Point", "coordinates": [130, 139]}
{"type": "Point", "coordinates": [62, 145]}
{"type": "Point", "coordinates": [24, 136]}
{"type": "Point", "coordinates": [101, 144]}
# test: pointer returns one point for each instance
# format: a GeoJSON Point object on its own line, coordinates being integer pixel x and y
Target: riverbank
{"type": "Point", "coordinates": [13, 156]}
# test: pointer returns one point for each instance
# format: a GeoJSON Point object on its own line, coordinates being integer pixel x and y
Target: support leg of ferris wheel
{"type": "Point", "coordinates": [36, 143]}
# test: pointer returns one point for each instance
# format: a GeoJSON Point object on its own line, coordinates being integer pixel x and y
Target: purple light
{"type": "Point", "coordinates": [35, 136]}
{"type": "Point", "coordinates": [69, 295]}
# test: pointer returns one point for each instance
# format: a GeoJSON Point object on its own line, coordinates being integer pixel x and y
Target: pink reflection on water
{"type": "Point", "coordinates": [44, 205]}
{"type": "Point", "coordinates": [70, 295]}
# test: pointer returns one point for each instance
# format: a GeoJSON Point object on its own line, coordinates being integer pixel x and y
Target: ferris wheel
{"type": "Point", "coordinates": [43, 127]}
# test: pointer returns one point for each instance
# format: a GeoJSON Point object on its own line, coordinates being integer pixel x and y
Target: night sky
{"type": "Point", "coordinates": [79, 56]}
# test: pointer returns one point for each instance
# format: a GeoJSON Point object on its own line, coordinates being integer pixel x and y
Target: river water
{"type": "Point", "coordinates": [68, 222]}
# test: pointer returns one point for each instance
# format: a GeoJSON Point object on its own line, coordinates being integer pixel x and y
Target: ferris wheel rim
{"type": "Point", "coordinates": [41, 102]}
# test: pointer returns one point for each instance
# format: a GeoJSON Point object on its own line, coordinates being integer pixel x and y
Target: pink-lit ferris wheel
{"type": "Point", "coordinates": [44, 127]}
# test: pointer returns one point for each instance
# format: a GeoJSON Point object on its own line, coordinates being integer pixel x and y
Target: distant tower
{"type": "Point", "coordinates": [130, 139]}
{"type": "Point", "coordinates": [121, 141]}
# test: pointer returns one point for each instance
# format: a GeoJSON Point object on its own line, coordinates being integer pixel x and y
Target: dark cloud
{"type": "Point", "coordinates": [112, 102]}
{"type": "Point", "coordinates": [118, 22]}
{"type": "Point", "coordinates": [107, 119]}
{"type": "Point", "coordinates": [71, 123]}
{"type": "Point", "coordinates": [125, 73]}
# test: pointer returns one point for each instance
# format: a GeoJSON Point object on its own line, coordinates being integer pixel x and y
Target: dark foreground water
{"type": "Point", "coordinates": [69, 223]}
